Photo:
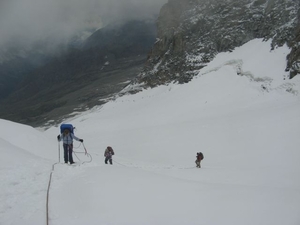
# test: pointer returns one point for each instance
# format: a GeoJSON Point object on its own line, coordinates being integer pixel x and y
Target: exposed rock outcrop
{"type": "Point", "coordinates": [294, 57]}
{"type": "Point", "coordinates": [192, 32]}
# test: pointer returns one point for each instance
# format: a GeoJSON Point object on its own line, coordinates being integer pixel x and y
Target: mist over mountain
{"type": "Point", "coordinates": [42, 35]}
{"type": "Point", "coordinates": [25, 22]}
{"type": "Point", "coordinates": [79, 77]}
{"type": "Point", "coordinates": [132, 46]}
{"type": "Point", "coordinates": [34, 32]}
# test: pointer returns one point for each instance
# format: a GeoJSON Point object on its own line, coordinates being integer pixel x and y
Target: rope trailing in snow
{"type": "Point", "coordinates": [50, 178]}
{"type": "Point", "coordinates": [85, 152]}
{"type": "Point", "coordinates": [48, 191]}
{"type": "Point", "coordinates": [167, 167]}
{"type": "Point", "coordinates": [120, 163]}
{"type": "Point", "coordinates": [49, 184]}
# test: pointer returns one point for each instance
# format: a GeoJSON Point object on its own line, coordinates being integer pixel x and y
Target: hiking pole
{"type": "Point", "coordinates": [58, 151]}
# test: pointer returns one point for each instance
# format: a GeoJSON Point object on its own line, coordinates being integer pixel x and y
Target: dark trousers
{"type": "Point", "coordinates": [68, 153]}
{"type": "Point", "coordinates": [108, 158]}
{"type": "Point", "coordinates": [198, 163]}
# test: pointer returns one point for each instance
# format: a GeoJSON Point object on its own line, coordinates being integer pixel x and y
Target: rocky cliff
{"type": "Point", "coordinates": [192, 32]}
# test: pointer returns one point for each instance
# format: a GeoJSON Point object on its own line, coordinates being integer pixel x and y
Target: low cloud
{"type": "Point", "coordinates": [23, 22]}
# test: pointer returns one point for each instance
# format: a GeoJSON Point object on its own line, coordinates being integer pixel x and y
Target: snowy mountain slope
{"type": "Point", "coordinates": [23, 184]}
{"type": "Point", "coordinates": [26, 159]}
{"type": "Point", "coordinates": [246, 125]}
{"type": "Point", "coordinates": [26, 138]}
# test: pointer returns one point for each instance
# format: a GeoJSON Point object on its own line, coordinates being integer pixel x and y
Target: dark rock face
{"type": "Point", "coordinates": [82, 76]}
{"type": "Point", "coordinates": [192, 32]}
{"type": "Point", "coordinates": [134, 37]}
{"type": "Point", "coordinates": [294, 57]}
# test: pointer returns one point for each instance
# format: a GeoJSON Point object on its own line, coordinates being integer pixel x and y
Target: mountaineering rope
{"type": "Point", "coordinates": [50, 178]}
{"type": "Point", "coordinates": [85, 152]}
{"type": "Point", "coordinates": [169, 167]}
{"type": "Point", "coordinates": [49, 184]}
{"type": "Point", "coordinates": [120, 163]}
{"type": "Point", "coordinates": [48, 190]}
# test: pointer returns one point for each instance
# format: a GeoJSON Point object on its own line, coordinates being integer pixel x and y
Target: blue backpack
{"type": "Point", "coordinates": [68, 127]}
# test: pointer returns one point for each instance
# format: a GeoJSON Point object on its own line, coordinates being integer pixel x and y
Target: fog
{"type": "Point", "coordinates": [23, 22]}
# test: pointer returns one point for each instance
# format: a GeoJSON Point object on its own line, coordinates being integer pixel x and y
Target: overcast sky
{"type": "Point", "coordinates": [30, 20]}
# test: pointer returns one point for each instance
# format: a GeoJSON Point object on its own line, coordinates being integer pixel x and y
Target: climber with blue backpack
{"type": "Point", "coordinates": [67, 136]}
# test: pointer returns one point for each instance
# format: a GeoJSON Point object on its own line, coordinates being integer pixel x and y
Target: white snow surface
{"type": "Point", "coordinates": [247, 126]}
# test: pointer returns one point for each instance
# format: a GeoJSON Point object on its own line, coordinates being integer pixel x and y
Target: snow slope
{"type": "Point", "coordinates": [246, 125]}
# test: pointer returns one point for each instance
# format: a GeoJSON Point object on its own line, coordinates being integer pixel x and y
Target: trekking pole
{"type": "Point", "coordinates": [58, 152]}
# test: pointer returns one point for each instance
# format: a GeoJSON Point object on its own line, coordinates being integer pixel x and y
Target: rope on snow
{"type": "Point", "coordinates": [50, 178]}
{"type": "Point", "coordinates": [165, 167]}
{"type": "Point", "coordinates": [85, 152]}
{"type": "Point", "coordinates": [48, 191]}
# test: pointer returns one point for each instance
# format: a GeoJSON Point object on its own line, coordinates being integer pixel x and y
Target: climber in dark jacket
{"type": "Point", "coordinates": [199, 158]}
{"type": "Point", "coordinates": [67, 138]}
{"type": "Point", "coordinates": [109, 152]}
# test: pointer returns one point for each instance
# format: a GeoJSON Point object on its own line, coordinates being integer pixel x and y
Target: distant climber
{"type": "Point", "coordinates": [109, 152]}
{"type": "Point", "coordinates": [199, 158]}
{"type": "Point", "coordinates": [67, 137]}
